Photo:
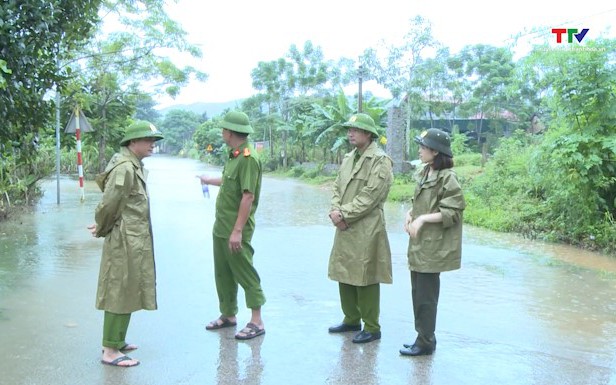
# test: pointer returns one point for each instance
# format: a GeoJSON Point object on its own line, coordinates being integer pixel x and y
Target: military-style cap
{"type": "Point", "coordinates": [236, 121]}
{"type": "Point", "coordinates": [363, 122]}
{"type": "Point", "coordinates": [437, 140]}
{"type": "Point", "coordinates": [141, 129]}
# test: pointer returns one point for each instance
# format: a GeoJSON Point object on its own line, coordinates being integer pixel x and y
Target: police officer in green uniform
{"type": "Point", "coordinates": [236, 204]}
{"type": "Point", "coordinates": [360, 258]}
{"type": "Point", "coordinates": [127, 279]}
{"type": "Point", "coordinates": [434, 224]}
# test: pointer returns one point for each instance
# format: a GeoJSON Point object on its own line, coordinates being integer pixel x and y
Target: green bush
{"type": "Point", "coordinates": [503, 198]}
{"type": "Point", "coordinates": [467, 159]}
{"type": "Point", "coordinates": [297, 171]}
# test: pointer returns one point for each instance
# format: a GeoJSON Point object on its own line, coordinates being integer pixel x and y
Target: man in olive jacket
{"type": "Point", "coordinates": [127, 278]}
{"type": "Point", "coordinates": [361, 258]}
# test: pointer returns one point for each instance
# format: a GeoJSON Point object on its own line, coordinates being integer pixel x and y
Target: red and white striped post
{"type": "Point", "coordinates": [78, 123]}
{"type": "Point", "coordinates": [79, 159]}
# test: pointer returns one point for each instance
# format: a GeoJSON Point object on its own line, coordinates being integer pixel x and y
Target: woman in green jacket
{"type": "Point", "coordinates": [434, 224]}
{"type": "Point", "coordinates": [127, 278]}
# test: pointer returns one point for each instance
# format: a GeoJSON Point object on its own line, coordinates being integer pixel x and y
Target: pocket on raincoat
{"type": "Point", "coordinates": [362, 175]}
{"type": "Point", "coordinates": [430, 240]}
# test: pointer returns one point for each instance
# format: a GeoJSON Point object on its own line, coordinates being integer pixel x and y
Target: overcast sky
{"type": "Point", "coordinates": [235, 35]}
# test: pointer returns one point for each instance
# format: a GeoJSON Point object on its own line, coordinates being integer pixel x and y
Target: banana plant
{"type": "Point", "coordinates": [330, 117]}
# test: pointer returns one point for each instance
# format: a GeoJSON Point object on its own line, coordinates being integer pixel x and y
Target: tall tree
{"type": "Point", "coordinates": [35, 36]}
{"type": "Point", "coordinates": [144, 108]}
{"type": "Point", "coordinates": [394, 65]}
{"type": "Point", "coordinates": [118, 65]}
{"type": "Point", "coordinates": [299, 73]}
{"type": "Point", "coordinates": [490, 70]}
{"type": "Point", "coordinates": [274, 80]}
{"type": "Point", "coordinates": [179, 127]}
{"type": "Point", "coordinates": [431, 85]}
{"type": "Point", "coordinates": [309, 70]}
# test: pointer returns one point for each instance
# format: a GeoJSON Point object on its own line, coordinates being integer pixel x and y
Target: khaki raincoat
{"type": "Point", "coordinates": [127, 278]}
{"type": "Point", "coordinates": [438, 246]}
{"type": "Point", "coordinates": [361, 255]}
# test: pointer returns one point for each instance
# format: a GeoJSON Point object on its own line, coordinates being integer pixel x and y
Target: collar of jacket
{"type": "Point", "coordinates": [428, 181]}
{"type": "Point", "coordinates": [122, 156]}
{"type": "Point", "coordinates": [129, 154]}
{"type": "Point", "coordinates": [368, 153]}
{"type": "Point", "coordinates": [235, 152]}
{"type": "Point", "coordinates": [141, 173]}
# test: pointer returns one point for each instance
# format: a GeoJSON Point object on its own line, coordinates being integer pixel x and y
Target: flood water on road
{"type": "Point", "coordinates": [518, 312]}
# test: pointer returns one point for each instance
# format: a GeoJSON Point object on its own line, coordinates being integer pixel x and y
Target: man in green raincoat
{"type": "Point", "coordinates": [127, 278]}
{"type": "Point", "coordinates": [361, 258]}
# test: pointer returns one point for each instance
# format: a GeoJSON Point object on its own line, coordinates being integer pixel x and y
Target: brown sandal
{"type": "Point", "coordinates": [219, 323]}
{"type": "Point", "coordinates": [249, 332]}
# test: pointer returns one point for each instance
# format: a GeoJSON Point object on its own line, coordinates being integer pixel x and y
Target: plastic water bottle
{"type": "Point", "coordinates": [206, 190]}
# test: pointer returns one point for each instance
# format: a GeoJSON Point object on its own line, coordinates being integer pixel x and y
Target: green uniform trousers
{"type": "Point", "coordinates": [231, 269]}
{"type": "Point", "coordinates": [115, 327]}
{"type": "Point", "coordinates": [425, 289]}
{"type": "Point", "coordinates": [361, 303]}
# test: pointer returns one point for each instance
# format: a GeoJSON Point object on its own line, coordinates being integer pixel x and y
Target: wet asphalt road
{"type": "Point", "coordinates": [516, 313]}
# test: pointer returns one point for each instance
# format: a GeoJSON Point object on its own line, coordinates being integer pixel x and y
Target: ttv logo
{"type": "Point", "coordinates": [570, 33]}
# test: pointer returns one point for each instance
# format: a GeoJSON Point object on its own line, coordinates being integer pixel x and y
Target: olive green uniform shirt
{"type": "Point", "coordinates": [242, 172]}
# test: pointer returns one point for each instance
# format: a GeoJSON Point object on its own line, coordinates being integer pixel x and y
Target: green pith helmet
{"type": "Point", "coordinates": [236, 121]}
{"type": "Point", "coordinates": [437, 140]}
{"type": "Point", "coordinates": [363, 122]}
{"type": "Point", "coordinates": [141, 129]}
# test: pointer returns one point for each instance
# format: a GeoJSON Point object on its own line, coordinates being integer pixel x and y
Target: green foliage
{"type": "Point", "coordinates": [5, 70]}
{"type": "Point", "coordinates": [57, 45]}
{"type": "Point", "coordinates": [402, 189]}
{"type": "Point", "coordinates": [576, 164]}
{"type": "Point", "coordinates": [458, 145]}
{"type": "Point", "coordinates": [309, 70]}
{"type": "Point", "coordinates": [467, 159]}
{"type": "Point", "coordinates": [178, 127]}
{"type": "Point", "coordinates": [269, 162]}
{"type": "Point", "coordinates": [34, 38]}
{"type": "Point", "coordinates": [503, 197]}
{"type": "Point", "coordinates": [330, 117]}
{"type": "Point", "coordinates": [144, 108]}
{"type": "Point", "coordinates": [209, 134]}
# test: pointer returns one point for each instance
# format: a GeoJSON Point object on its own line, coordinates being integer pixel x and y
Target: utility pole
{"type": "Point", "coordinates": [359, 97]}
{"type": "Point", "coordinates": [58, 143]}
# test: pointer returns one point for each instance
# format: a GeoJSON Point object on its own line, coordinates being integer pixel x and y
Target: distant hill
{"type": "Point", "coordinates": [212, 109]}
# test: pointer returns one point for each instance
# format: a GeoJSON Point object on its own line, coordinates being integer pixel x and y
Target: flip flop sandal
{"type": "Point", "coordinates": [250, 331]}
{"type": "Point", "coordinates": [117, 361]}
{"type": "Point", "coordinates": [128, 348]}
{"type": "Point", "coordinates": [219, 323]}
